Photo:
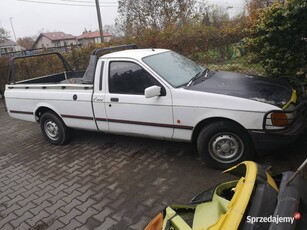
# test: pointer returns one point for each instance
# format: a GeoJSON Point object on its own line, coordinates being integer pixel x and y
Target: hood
{"type": "Point", "coordinates": [255, 88]}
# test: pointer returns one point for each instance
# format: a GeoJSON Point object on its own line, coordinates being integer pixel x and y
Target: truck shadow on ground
{"type": "Point", "coordinates": [288, 158]}
{"type": "Point", "coordinates": [285, 159]}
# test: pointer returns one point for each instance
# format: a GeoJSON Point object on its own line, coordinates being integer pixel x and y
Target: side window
{"type": "Point", "coordinates": [129, 78]}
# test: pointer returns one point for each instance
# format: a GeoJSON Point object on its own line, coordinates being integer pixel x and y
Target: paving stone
{"type": "Point", "coordinates": [103, 214]}
{"type": "Point", "coordinates": [74, 203]}
{"type": "Point", "coordinates": [73, 224]}
{"type": "Point", "coordinates": [86, 215]}
{"type": "Point", "coordinates": [74, 168]}
{"type": "Point", "coordinates": [86, 187]}
{"type": "Point", "coordinates": [86, 180]}
{"type": "Point", "coordinates": [23, 226]}
{"type": "Point", "coordinates": [83, 227]}
{"type": "Point", "coordinates": [41, 192]}
{"type": "Point", "coordinates": [33, 221]}
{"type": "Point", "coordinates": [9, 186]}
{"type": "Point", "coordinates": [55, 225]}
{"type": "Point", "coordinates": [8, 227]}
{"type": "Point", "coordinates": [10, 209]}
{"type": "Point", "coordinates": [22, 181]}
{"type": "Point", "coordinates": [56, 215]}
{"type": "Point", "coordinates": [86, 204]}
{"type": "Point", "coordinates": [6, 192]}
{"type": "Point", "coordinates": [58, 196]}
{"type": "Point", "coordinates": [20, 185]}
{"type": "Point", "coordinates": [25, 208]}
{"type": "Point", "coordinates": [72, 181]}
{"type": "Point", "coordinates": [27, 200]}
{"type": "Point", "coordinates": [35, 183]}
{"type": "Point", "coordinates": [102, 204]}
{"type": "Point", "coordinates": [15, 200]}
{"type": "Point", "coordinates": [68, 217]}
{"type": "Point", "coordinates": [72, 196]}
{"type": "Point", "coordinates": [86, 195]}
{"type": "Point", "coordinates": [119, 214]}
{"type": "Point", "coordinates": [140, 224]}
{"type": "Point", "coordinates": [27, 215]}
{"type": "Point", "coordinates": [43, 198]}
{"type": "Point", "coordinates": [107, 224]}
{"type": "Point", "coordinates": [16, 193]}
{"type": "Point", "coordinates": [58, 184]}
{"type": "Point", "coordinates": [118, 203]}
{"type": "Point", "coordinates": [11, 180]}
{"type": "Point", "coordinates": [92, 223]}
{"type": "Point", "coordinates": [40, 207]}
{"type": "Point", "coordinates": [31, 191]}
{"type": "Point", "coordinates": [7, 219]}
{"type": "Point", "coordinates": [58, 189]}
{"type": "Point", "coordinates": [72, 188]}
{"type": "Point", "coordinates": [51, 209]}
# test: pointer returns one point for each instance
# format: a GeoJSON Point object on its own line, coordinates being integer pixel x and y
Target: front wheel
{"type": "Point", "coordinates": [54, 129]}
{"type": "Point", "coordinates": [224, 144]}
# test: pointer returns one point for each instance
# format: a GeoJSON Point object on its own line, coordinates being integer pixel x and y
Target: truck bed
{"type": "Point", "coordinates": [71, 77]}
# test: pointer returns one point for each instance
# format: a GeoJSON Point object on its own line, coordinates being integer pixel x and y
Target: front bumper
{"type": "Point", "coordinates": [270, 141]}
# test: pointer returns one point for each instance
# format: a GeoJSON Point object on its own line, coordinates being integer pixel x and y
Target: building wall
{"type": "Point", "coordinates": [87, 41]}
{"type": "Point", "coordinates": [65, 42]}
{"type": "Point", "coordinates": [107, 39]}
{"type": "Point", "coordinates": [8, 49]}
{"type": "Point", "coordinates": [45, 42]}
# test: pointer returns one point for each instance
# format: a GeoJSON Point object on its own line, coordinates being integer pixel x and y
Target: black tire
{"type": "Point", "coordinates": [54, 129]}
{"type": "Point", "coordinates": [224, 144]}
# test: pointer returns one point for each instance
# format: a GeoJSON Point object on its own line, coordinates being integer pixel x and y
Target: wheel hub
{"type": "Point", "coordinates": [52, 130]}
{"type": "Point", "coordinates": [226, 147]}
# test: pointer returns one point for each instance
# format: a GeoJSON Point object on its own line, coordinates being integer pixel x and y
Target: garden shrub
{"type": "Point", "coordinates": [278, 39]}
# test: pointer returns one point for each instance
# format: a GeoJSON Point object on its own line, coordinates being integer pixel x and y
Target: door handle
{"type": "Point", "coordinates": [114, 99]}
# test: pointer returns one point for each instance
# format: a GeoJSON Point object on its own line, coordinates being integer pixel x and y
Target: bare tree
{"type": "Point", "coordinates": [213, 15]}
{"type": "Point", "coordinates": [136, 15]}
{"type": "Point", "coordinates": [4, 34]}
{"type": "Point", "coordinates": [26, 42]}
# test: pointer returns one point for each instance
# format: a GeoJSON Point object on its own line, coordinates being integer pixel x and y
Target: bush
{"type": "Point", "coordinates": [278, 39]}
{"type": "Point", "coordinates": [4, 70]}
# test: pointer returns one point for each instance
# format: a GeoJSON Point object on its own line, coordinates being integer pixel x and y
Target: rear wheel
{"type": "Point", "coordinates": [54, 129]}
{"type": "Point", "coordinates": [224, 144]}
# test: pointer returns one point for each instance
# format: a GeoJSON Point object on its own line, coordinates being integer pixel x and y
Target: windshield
{"type": "Point", "coordinates": [176, 69]}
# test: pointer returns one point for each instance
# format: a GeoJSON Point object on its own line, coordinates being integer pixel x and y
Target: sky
{"type": "Point", "coordinates": [31, 17]}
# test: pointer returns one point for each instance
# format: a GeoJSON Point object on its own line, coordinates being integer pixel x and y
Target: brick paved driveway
{"type": "Point", "coordinates": [99, 181]}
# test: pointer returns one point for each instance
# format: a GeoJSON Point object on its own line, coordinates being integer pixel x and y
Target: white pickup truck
{"type": "Point", "coordinates": [160, 94]}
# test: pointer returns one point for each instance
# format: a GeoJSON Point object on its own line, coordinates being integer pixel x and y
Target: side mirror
{"type": "Point", "coordinates": [152, 91]}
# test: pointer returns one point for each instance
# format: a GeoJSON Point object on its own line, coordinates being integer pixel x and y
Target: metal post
{"type": "Point", "coordinates": [99, 20]}
{"type": "Point", "coordinates": [13, 29]}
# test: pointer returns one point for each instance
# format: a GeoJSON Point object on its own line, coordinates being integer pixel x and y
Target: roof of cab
{"type": "Point", "coordinates": [134, 53]}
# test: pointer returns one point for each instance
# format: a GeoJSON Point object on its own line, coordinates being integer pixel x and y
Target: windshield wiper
{"type": "Point", "coordinates": [198, 75]}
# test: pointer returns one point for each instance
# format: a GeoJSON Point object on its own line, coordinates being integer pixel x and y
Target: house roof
{"type": "Point", "coordinates": [7, 43]}
{"type": "Point", "coordinates": [95, 34]}
{"type": "Point", "coordinates": [57, 36]}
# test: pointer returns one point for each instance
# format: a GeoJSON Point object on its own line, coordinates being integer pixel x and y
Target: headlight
{"type": "Point", "coordinates": [283, 118]}
{"type": "Point", "coordinates": [279, 119]}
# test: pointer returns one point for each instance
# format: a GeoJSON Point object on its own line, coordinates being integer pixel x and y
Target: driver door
{"type": "Point", "coordinates": [127, 109]}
